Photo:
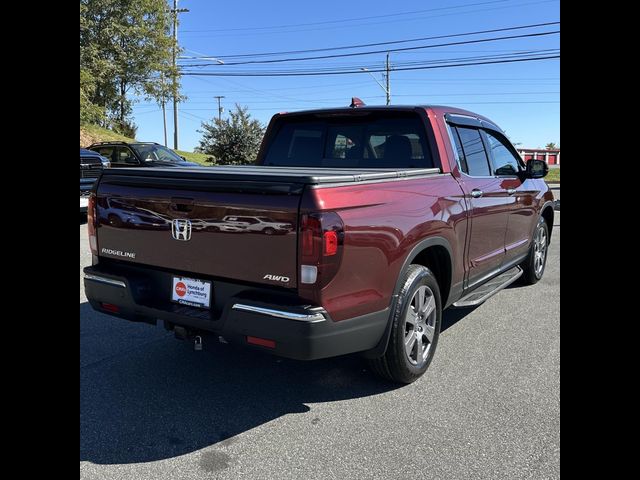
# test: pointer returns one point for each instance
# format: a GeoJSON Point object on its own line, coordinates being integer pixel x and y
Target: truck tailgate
{"type": "Point", "coordinates": [229, 229]}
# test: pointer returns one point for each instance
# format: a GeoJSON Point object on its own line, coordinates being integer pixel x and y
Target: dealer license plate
{"type": "Point", "coordinates": [190, 291]}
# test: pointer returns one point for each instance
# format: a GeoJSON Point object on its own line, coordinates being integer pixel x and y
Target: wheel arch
{"type": "Point", "coordinates": [547, 213]}
{"type": "Point", "coordinates": [435, 253]}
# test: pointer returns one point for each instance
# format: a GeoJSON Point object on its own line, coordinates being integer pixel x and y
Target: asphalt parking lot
{"type": "Point", "coordinates": [488, 407]}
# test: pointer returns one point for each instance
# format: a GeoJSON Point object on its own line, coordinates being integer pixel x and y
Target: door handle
{"type": "Point", "coordinates": [511, 191]}
{"type": "Point", "coordinates": [475, 193]}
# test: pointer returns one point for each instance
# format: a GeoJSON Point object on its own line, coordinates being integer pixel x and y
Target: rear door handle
{"type": "Point", "coordinates": [511, 191]}
{"type": "Point", "coordinates": [475, 193]}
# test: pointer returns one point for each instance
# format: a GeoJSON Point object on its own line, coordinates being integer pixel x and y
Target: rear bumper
{"type": "Point", "coordinates": [299, 331]}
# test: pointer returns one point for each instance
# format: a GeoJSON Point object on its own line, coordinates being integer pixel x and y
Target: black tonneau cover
{"type": "Point", "coordinates": [281, 175]}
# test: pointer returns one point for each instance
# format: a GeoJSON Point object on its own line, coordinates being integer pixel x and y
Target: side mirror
{"type": "Point", "coordinates": [537, 169]}
{"type": "Point", "coordinates": [183, 157]}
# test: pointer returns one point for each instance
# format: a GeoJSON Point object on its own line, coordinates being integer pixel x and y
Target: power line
{"type": "Point", "coordinates": [378, 44]}
{"type": "Point", "coordinates": [469, 94]}
{"type": "Point", "coordinates": [348, 72]}
{"type": "Point", "coordinates": [358, 66]}
{"type": "Point", "coordinates": [461, 104]}
{"type": "Point", "coordinates": [373, 52]}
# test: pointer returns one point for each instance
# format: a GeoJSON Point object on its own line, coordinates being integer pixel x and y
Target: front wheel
{"type": "Point", "coordinates": [415, 328]}
{"type": "Point", "coordinates": [534, 264]}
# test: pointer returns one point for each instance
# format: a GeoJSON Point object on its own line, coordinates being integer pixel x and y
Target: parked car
{"type": "Point", "coordinates": [214, 225]}
{"type": "Point", "coordinates": [140, 154]}
{"type": "Point", "coordinates": [258, 224]}
{"type": "Point", "coordinates": [91, 165]}
{"type": "Point", "coordinates": [118, 212]}
{"type": "Point", "coordinates": [396, 213]}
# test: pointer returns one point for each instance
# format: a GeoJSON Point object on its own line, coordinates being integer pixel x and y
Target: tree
{"type": "Point", "coordinates": [234, 140]}
{"type": "Point", "coordinates": [551, 146]}
{"type": "Point", "coordinates": [89, 112]}
{"type": "Point", "coordinates": [125, 47]}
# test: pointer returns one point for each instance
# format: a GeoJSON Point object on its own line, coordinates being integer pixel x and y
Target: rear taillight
{"type": "Point", "coordinates": [91, 224]}
{"type": "Point", "coordinates": [321, 240]}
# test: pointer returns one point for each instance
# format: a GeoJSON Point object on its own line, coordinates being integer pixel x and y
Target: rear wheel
{"type": "Point", "coordinates": [533, 266]}
{"type": "Point", "coordinates": [415, 328]}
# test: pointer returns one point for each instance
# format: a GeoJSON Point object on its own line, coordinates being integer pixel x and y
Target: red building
{"type": "Point", "coordinates": [552, 157]}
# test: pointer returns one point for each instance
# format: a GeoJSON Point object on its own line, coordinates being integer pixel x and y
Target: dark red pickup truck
{"type": "Point", "coordinates": [352, 232]}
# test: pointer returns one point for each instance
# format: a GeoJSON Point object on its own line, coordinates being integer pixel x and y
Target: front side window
{"type": "Point", "coordinates": [474, 153]}
{"type": "Point", "coordinates": [504, 162]}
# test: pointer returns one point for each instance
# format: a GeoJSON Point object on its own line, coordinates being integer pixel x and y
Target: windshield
{"type": "Point", "coordinates": [156, 153]}
{"type": "Point", "coordinates": [374, 140]}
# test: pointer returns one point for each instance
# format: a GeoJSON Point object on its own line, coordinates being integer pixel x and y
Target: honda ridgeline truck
{"type": "Point", "coordinates": [396, 213]}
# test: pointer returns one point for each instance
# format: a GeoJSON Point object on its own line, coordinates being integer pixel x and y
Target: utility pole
{"type": "Point", "coordinates": [175, 12]}
{"type": "Point", "coordinates": [164, 122]}
{"type": "Point", "coordinates": [219, 97]}
{"type": "Point", "coordinates": [164, 111]}
{"type": "Point", "coordinates": [388, 90]}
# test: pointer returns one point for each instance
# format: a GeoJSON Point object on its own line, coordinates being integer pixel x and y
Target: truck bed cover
{"type": "Point", "coordinates": [254, 173]}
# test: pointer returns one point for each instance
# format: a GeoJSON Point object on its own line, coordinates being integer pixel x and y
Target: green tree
{"type": "Point", "coordinates": [551, 146]}
{"type": "Point", "coordinates": [234, 140]}
{"type": "Point", "coordinates": [126, 48]}
{"type": "Point", "coordinates": [89, 112]}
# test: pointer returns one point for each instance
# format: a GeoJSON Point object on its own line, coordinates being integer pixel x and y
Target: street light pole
{"type": "Point", "coordinates": [386, 89]}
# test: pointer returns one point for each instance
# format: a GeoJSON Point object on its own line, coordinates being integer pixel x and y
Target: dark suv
{"type": "Point", "coordinates": [140, 154]}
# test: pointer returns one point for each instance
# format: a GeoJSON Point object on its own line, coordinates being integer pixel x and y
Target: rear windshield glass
{"type": "Point", "coordinates": [369, 141]}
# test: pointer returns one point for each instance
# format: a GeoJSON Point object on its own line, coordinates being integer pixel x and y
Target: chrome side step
{"type": "Point", "coordinates": [489, 289]}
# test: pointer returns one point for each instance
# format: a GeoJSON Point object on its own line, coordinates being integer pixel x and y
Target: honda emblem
{"type": "Point", "coordinates": [181, 229]}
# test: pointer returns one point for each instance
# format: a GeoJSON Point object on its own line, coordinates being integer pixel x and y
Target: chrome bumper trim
{"type": "Point", "coordinates": [300, 317]}
{"type": "Point", "coordinates": [108, 281]}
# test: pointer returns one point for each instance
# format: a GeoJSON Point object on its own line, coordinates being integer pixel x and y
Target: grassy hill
{"type": "Point", "coordinates": [93, 133]}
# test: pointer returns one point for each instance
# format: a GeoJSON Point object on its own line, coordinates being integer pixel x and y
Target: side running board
{"type": "Point", "coordinates": [489, 289]}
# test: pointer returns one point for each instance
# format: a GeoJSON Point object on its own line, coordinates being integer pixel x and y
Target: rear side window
{"type": "Point", "coordinates": [372, 141]}
{"type": "Point", "coordinates": [106, 152]}
{"type": "Point", "coordinates": [474, 154]}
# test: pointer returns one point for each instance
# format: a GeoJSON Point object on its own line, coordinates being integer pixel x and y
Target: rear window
{"type": "Point", "coordinates": [369, 141]}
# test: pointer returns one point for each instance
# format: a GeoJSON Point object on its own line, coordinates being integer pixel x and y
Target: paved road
{"type": "Point", "coordinates": [488, 407]}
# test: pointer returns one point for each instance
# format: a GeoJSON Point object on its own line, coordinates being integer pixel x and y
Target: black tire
{"type": "Point", "coordinates": [396, 364]}
{"type": "Point", "coordinates": [268, 231]}
{"type": "Point", "coordinates": [531, 275]}
{"type": "Point", "coordinates": [115, 220]}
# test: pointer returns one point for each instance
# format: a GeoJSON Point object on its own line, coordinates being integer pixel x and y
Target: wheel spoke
{"type": "Point", "coordinates": [412, 318]}
{"type": "Point", "coordinates": [429, 306]}
{"type": "Point", "coordinates": [419, 348]}
{"type": "Point", "coordinates": [420, 299]}
{"type": "Point", "coordinates": [409, 341]}
{"type": "Point", "coordinates": [429, 332]}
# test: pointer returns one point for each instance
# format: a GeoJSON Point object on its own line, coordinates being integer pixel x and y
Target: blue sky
{"type": "Point", "coordinates": [523, 98]}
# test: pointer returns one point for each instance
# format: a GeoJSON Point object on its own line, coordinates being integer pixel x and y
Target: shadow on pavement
{"type": "Point", "coordinates": [163, 399]}
{"type": "Point", "coordinates": [158, 398]}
